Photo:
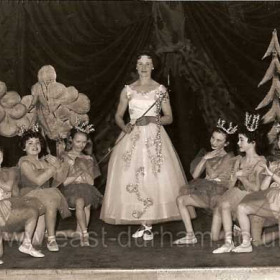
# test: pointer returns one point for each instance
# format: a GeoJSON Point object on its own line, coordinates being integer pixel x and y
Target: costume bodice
{"type": "Point", "coordinates": [253, 173]}
{"type": "Point", "coordinates": [38, 165]}
{"type": "Point", "coordinates": [80, 163]}
{"type": "Point", "coordinates": [219, 167]}
{"type": "Point", "coordinates": [140, 102]}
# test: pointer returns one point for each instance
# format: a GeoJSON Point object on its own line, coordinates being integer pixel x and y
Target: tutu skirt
{"type": "Point", "coordinates": [50, 198]}
{"type": "Point", "coordinates": [208, 191]}
{"type": "Point", "coordinates": [17, 203]}
{"type": "Point", "coordinates": [144, 179]}
{"type": "Point", "coordinates": [89, 193]}
{"type": "Point", "coordinates": [265, 203]}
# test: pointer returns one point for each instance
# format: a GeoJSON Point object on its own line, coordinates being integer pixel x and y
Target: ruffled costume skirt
{"type": "Point", "coordinates": [144, 179]}
{"type": "Point", "coordinates": [50, 198]}
{"type": "Point", "coordinates": [7, 206]}
{"type": "Point", "coordinates": [265, 203]}
{"type": "Point", "coordinates": [208, 191]}
{"type": "Point", "coordinates": [89, 193]}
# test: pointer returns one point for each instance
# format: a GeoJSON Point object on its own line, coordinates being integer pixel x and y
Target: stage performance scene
{"type": "Point", "coordinates": [139, 140]}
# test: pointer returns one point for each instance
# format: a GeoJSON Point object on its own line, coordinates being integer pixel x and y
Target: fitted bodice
{"type": "Point", "coordinates": [38, 165]}
{"type": "Point", "coordinates": [140, 102]}
{"type": "Point", "coordinates": [219, 167]}
{"type": "Point", "coordinates": [253, 173]}
{"type": "Point", "coordinates": [80, 163]}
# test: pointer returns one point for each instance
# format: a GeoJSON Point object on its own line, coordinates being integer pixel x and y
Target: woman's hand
{"type": "Point", "coordinates": [128, 128]}
{"type": "Point", "coordinates": [214, 154]}
{"type": "Point", "coordinates": [146, 120]}
{"type": "Point", "coordinates": [79, 179]}
{"type": "Point", "coordinates": [266, 170]}
{"type": "Point", "coordinates": [54, 161]}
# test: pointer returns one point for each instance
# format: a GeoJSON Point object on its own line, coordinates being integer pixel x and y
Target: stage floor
{"type": "Point", "coordinates": [113, 249]}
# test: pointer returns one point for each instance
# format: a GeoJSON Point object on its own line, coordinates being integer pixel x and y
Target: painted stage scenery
{"type": "Point", "coordinates": [139, 139]}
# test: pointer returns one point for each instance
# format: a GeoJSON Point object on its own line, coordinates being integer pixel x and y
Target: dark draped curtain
{"type": "Point", "coordinates": [92, 46]}
{"type": "Point", "coordinates": [235, 35]}
{"type": "Point", "coordinates": [214, 61]}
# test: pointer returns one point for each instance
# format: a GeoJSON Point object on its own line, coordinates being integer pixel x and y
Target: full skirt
{"type": "Point", "coordinates": [144, 179]}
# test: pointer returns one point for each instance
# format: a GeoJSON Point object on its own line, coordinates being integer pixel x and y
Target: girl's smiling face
{"type": "Point", "coordinates": [144, 66]}
{"type": "Point", "coordinates": [218, 140]}
{"type": "Point", "coordinates": [32, 146]}
{"type": "Point", "coordinates": [79, 142]}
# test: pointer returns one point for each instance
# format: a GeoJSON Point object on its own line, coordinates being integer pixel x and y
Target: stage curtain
{"type": "Point", "coordinates": [235, 35]}
{"type": "Point", "coordinates": [91, 44]}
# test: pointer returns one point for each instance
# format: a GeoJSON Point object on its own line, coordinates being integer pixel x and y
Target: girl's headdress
{"type": "Point", "coordinates": [251, 121]}
{"type": "Point", "coordinates": [23, 129]}
{"type": "Point", "coordinates": [84, 127]}
{"type": "Point", "coordinates": [229, 130]}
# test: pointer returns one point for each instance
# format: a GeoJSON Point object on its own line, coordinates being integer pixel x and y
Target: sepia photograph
{"type": "Point", "coordinates": [139, 140]}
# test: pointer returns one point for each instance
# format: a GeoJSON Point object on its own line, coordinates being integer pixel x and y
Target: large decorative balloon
{"type": "Point", "coordinates": [58, 107]}
{"type": "Point", "coordinates": [13, 112]}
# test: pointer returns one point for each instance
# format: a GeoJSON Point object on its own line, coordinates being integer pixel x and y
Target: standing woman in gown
{"type": "Point", "coordinates": [144, 174]}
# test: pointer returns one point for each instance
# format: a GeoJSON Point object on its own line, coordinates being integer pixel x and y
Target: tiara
{"type": "Point", "coordinates": [84, 127]}
{"type": "Point", "coordinates": [252, 121]}
{"type": "Point", "coordinates": [22, 129]}
{"type": "Point", "coordinates": [230, 130]}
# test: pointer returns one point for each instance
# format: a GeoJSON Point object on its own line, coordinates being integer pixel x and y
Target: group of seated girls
{"type": "Point", "coordinates": [33, 192]}
{"type": "Point", "coordinates": [243, 188]}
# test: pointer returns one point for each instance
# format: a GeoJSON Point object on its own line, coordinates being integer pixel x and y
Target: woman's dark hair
{"type": "Point", "coordinates": [151, 55]}
{"type": "Point", "coordinates": [1, 149]}
{"type": "Point", "coordinates": [74, 131]}
{"type": "Point", "coordinates": [230, 138]}
{"type": "Point", "coordinates": [31, 134]}
{"type": "Point", "coordinates": [257, 136]}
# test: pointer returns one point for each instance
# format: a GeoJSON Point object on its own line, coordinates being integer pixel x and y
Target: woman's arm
{"type": "Point", "coordinates": [253, 186]}
{"type": "Point", "coordinates": [199, 168]}
{"type": "Point", "coordinates": [123, 103]}
{"type": "Point", "coordinates": [201, 165]}
{"type": "Point", "coordinates": [266, 182]}
{"type": "Point", "coordinates": [36, 176]}
{"type": "Point", "coordinates": [167, 117]}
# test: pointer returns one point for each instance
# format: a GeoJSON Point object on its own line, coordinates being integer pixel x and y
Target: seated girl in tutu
{"type": "Point", "coordinates": [16, 212]}
{"type": "Point", "coordinates": [35, 181]}
{"type": "Point", "coordinates": [79, 188]}
{"type": "Point", "coordinates": [265, 204]}
{"type": "Point", "coordinates": [204, 193]}
{"type": "Point", "coordinates": [247, 178]}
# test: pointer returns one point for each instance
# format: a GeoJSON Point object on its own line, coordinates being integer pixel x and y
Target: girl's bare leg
{"type": "Point", "coordinates": [82, 221]}
{"type": "Point", "coordinates": [183, 203]}
{"type": "Point", "coordinates": [216, 227]}
{"type": "Point", "coordinates": [39, 231]}
{"type": "Point", "coordinates": [227, 224]}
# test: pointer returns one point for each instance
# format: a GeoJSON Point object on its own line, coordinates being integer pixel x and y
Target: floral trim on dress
{"type": "Point", "coordinates": [157, 159]}
{"type": "Point", "coordinates": [161, 95]}
{"type": "Point", "coordinates": [134, 188]}
{"type": "Point", "coordinates": [127, 155]}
